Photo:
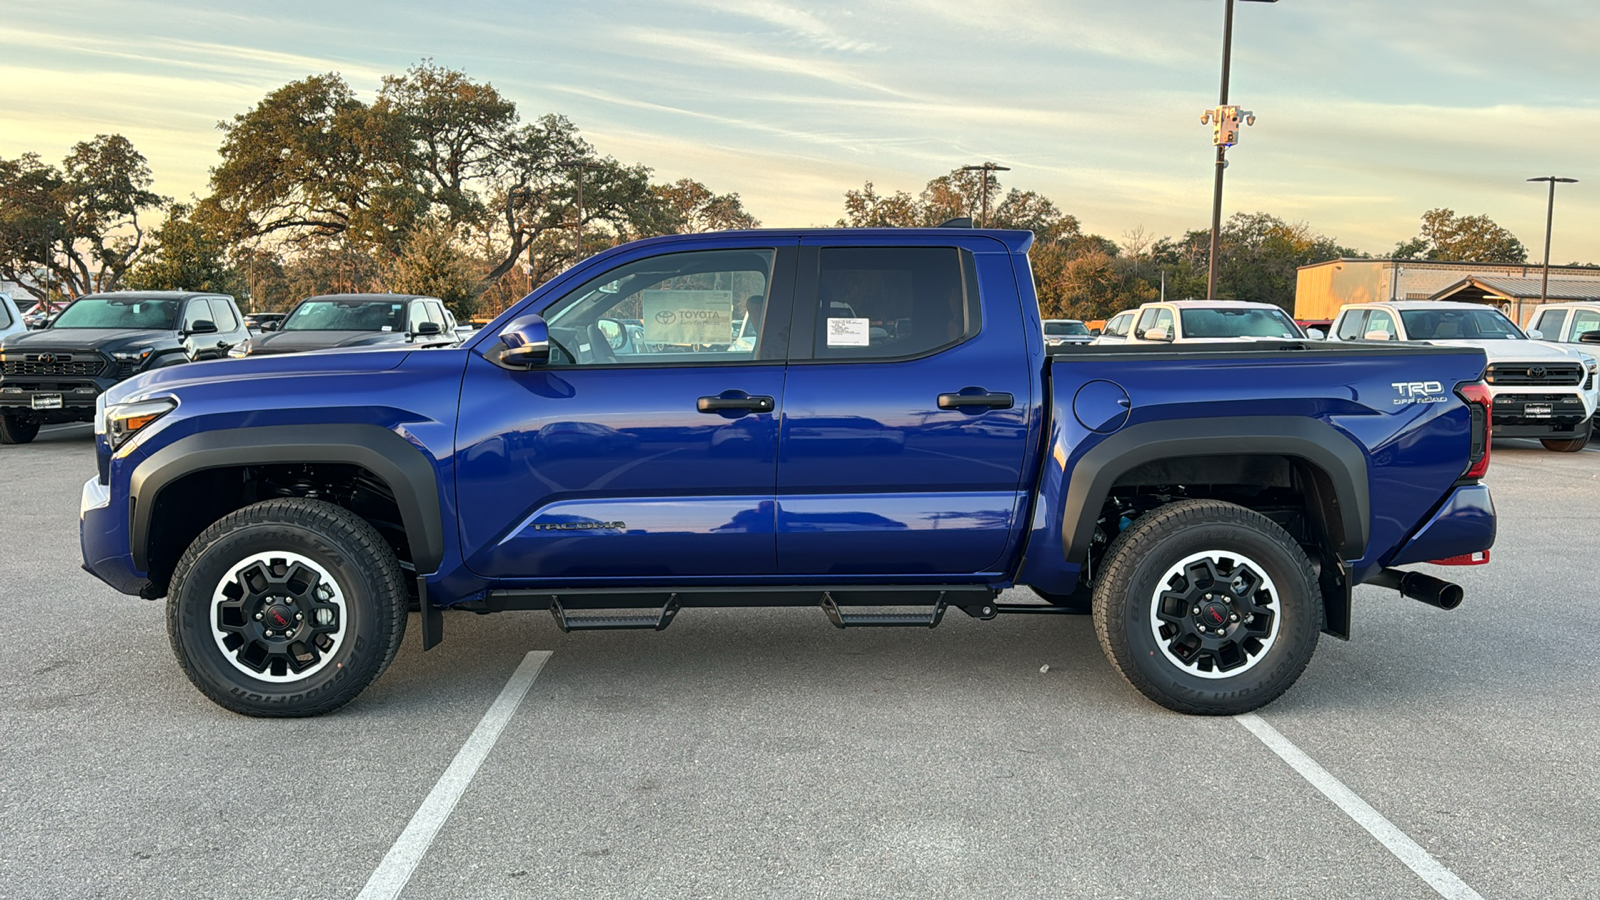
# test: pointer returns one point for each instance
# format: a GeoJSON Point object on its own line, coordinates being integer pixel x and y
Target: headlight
{"type": "Point", "coordinates": [239, 350]}
{"type": "Point", "coordinates": [140, 355]}
{"type": "Point", "coordinates": [124, 420]}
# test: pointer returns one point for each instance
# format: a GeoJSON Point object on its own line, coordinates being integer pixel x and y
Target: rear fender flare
{"type": "Point", "coordinates": [1317, 443]}
{"type": "Point", "coordinates": [386, 454]}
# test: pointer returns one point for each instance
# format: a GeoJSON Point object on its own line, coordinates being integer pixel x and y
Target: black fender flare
{"type": "Point", "coordinates": [386, 454]}
{"type": "Point", "coordinates": [1298, 437]}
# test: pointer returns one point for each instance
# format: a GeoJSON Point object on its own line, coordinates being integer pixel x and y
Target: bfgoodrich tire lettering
{"type": "Point", "coordinates": [286, 608]}
{"type": "Point", "coordinates": [1207, 607]}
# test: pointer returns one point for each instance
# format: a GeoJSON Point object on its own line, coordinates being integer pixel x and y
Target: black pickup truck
{"type": "Point", "coordinates": [55, 374]}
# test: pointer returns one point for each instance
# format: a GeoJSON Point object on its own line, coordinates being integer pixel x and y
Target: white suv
{"type": "Point", "coordinates": [1188, 321]}
{"type": "Point", "coordinates": [1539, 390]}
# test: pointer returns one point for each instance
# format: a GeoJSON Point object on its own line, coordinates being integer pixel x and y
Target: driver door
{"type": "Point", "coordinates": [647, 448]}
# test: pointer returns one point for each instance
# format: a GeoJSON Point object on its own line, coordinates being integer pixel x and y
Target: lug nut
{"type": "Point", "coordinates": [1201, 629]}
{"type": "Point", "coordinates": [258, 615]}
{"type": "Point", "coordinates": [301, 616]}
{"type": "Point", "coordinates": [269, 632]}
{"type": "Point", "coordinates": [1234, 617]}
{"type": "Point", "coordinates": [1250, 618]}
{"type": "Point", "coordinates": [1196, 611]}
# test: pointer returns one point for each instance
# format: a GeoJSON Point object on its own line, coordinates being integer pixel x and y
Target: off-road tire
{"type": "Point", "coordinates": [1570, 445]}
{"type": "Point", "coordinates": [14, 430]}
{"type": "Point", "coordinates": [366, 579]}
{"type": "Point", "coordinates": [1135, 581]}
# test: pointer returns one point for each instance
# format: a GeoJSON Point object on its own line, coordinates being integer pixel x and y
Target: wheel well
{"type": "Point", "coordinates": [1295, 493]}
{"type": "Point", "coordinates": [187, 506]}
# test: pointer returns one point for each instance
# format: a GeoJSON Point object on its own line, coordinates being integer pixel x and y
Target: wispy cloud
{"type": "Point", "coordinates": [791, 20]}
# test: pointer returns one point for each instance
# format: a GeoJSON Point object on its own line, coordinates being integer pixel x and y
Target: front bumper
{"type": "Point", "coordinates": [103, 535]}
{"type": "Point", "coordinates": [1464, 524]}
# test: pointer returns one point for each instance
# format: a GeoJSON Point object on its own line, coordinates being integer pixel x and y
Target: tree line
{"type": "Point", "coordinates": [438, 186]}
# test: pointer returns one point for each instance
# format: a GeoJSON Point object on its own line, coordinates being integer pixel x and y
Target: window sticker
{"type": "Point", "coordinates": [849, 332]}
{"type": "Point", "coordinates": [688, 317]}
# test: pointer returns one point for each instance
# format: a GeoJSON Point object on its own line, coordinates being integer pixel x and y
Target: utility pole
{"type": "Point", "coordinates": [580, 165]}
{"type": "Point", "coordinates": [1549, 219]}
{"type": "Point", "coordinates": [983, 190]}
{"type": "Point", "coordinates": [1225, 133]}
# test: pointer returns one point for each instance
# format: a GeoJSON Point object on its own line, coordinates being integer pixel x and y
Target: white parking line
{"type": "Point", "coordinates": [390, 878]}
{"type": "Point", "coordinates": [1404, 848]}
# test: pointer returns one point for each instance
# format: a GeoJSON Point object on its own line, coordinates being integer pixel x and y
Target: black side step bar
{"type": "Point", "coordinates": [842, 619]}
{"type": "Point", "coordinates": [640, 619]}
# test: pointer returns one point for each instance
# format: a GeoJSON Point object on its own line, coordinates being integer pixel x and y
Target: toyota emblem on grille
{"type": "Point", "coordinates": [1538, 372]}
{"type": "Point", "coordinates": [45, 358]}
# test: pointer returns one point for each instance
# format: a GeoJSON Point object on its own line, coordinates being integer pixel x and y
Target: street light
{"type": "Point", "coordinates": [1225, 135]}
{"type": "Point", "coordinates": [986, 168]}
{"type": "Point", "coordinates": [1549, 219]}
{"type": "Point", "coordinates": [580, 165]}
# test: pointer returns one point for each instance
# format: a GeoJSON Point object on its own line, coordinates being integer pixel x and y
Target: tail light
{"type": "Point", "coordinates": [1480, 405]}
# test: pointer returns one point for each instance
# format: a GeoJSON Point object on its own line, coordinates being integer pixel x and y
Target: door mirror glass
{"type": "Point", "coordinates": [1589, 337]}
{"type": "Point", "coordinates": [1535, 334]}
{"type": "Point", "coordinates": [1157, 334]}
{"type": "Point", "coordinates": [429, 327]}
{"type": "Point", "coordinates": [1377, 335]}
{"type": "Point", "coordinates": [203, 326]}
{"type": "Point", "coordinates": [526, 344]}
{"type": "Point", "coordinates": [1316, 334]}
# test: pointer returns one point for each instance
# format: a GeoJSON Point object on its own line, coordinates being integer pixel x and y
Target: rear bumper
{"type": "Point", "coordinates": [1464, 524]}
{"type": "Point", "coordinates": [103, 535]}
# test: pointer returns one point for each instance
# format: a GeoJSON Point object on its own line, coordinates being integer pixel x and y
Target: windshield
{"type": "Point", "coordinates": [1235, 323]}
{"type": "Point", "coordinates": [1066, 328]}
{"type": "Point", "coordinates": [119, 312]}
{"type": "Point", "coordinates": [337, 315]}
{"type": "Point", "coordinates": [1487, 324]}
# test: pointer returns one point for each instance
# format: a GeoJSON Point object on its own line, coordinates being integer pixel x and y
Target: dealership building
{"type": "Point", "coordinates": [1321, 288]}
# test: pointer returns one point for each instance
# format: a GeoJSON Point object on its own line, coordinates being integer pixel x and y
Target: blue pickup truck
{"type": "Point", "coordinates": [864, 420]}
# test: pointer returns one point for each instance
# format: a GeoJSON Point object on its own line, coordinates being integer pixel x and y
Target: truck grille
{"type": "Point", "coordinates": [80, 365]}
{"type": "Point", "coordinates": [1542, 374]}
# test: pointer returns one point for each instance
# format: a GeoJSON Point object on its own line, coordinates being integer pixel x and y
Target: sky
{"type": "Point", "coordinates": [1369, 112]}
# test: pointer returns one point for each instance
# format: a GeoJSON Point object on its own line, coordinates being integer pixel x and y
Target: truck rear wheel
{"type": "Point", "coordinates": [1570, 445]}
{"type": "Point", "coordinates": [289, 607]}
{"type": "Point", "coordinates": [17, 430]}
{"type": "Point", "coordinates": [1207, 607]}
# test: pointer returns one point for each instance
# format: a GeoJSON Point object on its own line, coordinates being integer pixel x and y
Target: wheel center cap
{"type": "Point", "coordinates": [278, 617]}
{"type": "Point", "coordinates": [1214, 615]}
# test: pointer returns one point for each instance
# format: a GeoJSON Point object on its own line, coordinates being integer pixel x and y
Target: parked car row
{"type": "Point", "coordinates": [1543, 381]}
{"type": "Point", "coordinates": [55, 374]}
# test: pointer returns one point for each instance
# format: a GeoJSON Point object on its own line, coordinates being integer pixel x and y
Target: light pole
{"type": "Point", "coordinates": [1226, 134]}
{"type": "Point", "coordinates": [983, 191]}
{"type": "Point", "coordinates": [1549, 219]}
{"type": "Point", "coordinates": [580, 165]}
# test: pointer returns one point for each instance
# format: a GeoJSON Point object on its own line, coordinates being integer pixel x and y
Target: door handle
{"type": "Point", "coordinates": [986, 400]}
{"type": "Point", "coordinates": [724, 404]}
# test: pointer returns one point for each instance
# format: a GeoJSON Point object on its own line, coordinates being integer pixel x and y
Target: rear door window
{"type": "Point", "coordinates": [222, 315]}
{"type": "Point", "coordinates": [881, 303]}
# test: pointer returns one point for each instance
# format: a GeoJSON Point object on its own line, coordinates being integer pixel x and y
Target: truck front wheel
{"type": "Point", "coordinates": [17, 430]}
{"type": "Point", "coordinates": [1207, 607]}
{"type": "Point", "coordinates": [289, 607]}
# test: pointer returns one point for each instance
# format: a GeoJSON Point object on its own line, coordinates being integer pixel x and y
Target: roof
{"type": "Point", "coordinates": [1416, 304]}
{"type": "Point", "coordinates": [1584, 272]}
{"type": "Point", "coordinates": [154, 295]}
{"type": "Point", "coordinates": [369, 298]}
{"type": "Point", "coordinates": [1523, 288]}
{"type": "Point", "coordinates": [1214, 304]}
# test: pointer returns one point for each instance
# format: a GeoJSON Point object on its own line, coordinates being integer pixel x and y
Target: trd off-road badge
{"type": "Point", "coordinates": [578, 526]}
{"type": "Point", "coordinates": [1409, 392]}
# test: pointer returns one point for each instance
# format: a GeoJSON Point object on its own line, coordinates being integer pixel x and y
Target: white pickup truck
{"type": "Point", "coordinates": [1539, 390]}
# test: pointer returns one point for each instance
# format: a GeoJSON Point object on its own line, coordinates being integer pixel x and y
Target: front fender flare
{"type": "Point", "coordinates": [386, 454]}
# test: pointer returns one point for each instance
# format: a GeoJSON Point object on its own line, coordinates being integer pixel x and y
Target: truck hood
{"type": "Point", "coordinates": [88, 340]}
{"type": "Point", "coordinates": [1518, 351]}
{"type": "Point", "coordinates": [254, 369]}
{"type": "Point", "coordinates": [298, 341]}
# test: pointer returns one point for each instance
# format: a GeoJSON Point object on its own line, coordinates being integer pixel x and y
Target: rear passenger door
{"type": "Point", "coordinates": [905, 406]}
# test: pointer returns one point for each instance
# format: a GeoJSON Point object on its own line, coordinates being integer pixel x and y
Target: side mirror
{"type": "Point", "coordinates": [1534, 334]}
{"type": "Point", "coordinates": [1589, 337]}
{"type": "Point", "coordinates": [203, 326]}
{"type": "Point", "coordinates": [527, 343]}
{"type": "Point", "coordinates": [269, 326]}
{"type": "Point", "coordinates": [1095, 332]}
{"type": "Point", "coordinates": [1379, 335]}
{"type": "Point", "coordinates": [424, 328]}
{"type": "Point", "coordinates": [1157, 334]}
{"type": "Point", "coordinates": [1316, 334]}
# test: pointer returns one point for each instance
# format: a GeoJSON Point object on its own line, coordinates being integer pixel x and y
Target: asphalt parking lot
{"type": "Point", "coordinates": [762, 753]}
